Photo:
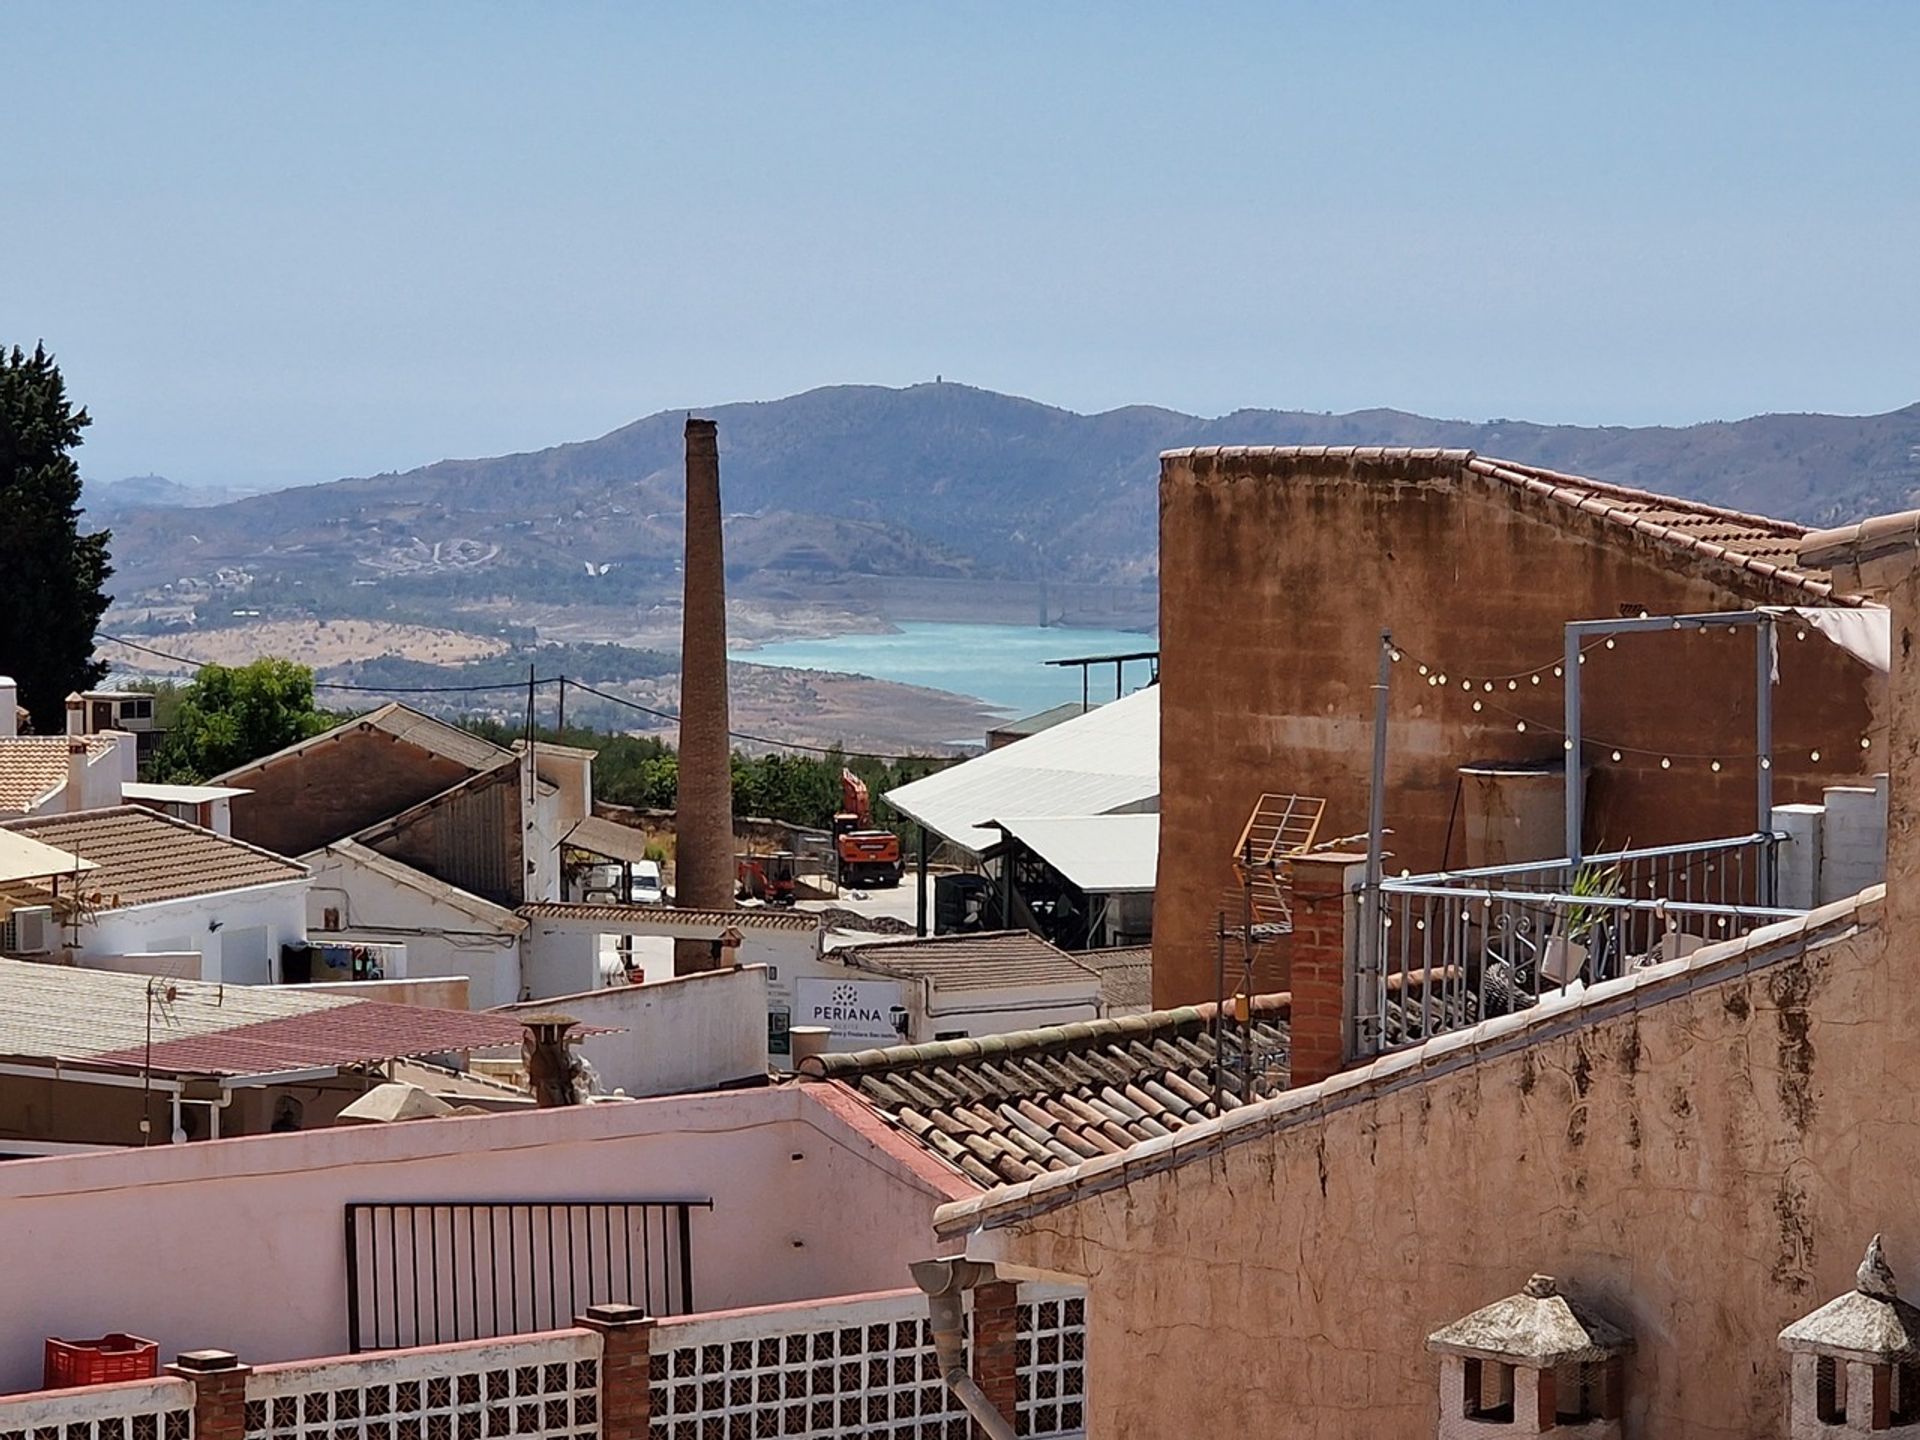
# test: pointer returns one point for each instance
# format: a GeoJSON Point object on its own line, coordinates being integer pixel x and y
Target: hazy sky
{"type": "Point", "coordinates": [279, 243]}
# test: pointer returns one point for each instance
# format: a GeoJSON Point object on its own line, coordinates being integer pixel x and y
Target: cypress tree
{"type": "Point", "coordinates": [52, 574]}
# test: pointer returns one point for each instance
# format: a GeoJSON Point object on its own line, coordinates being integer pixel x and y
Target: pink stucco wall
{"type": "Point", "coordinates": [240, 1244]}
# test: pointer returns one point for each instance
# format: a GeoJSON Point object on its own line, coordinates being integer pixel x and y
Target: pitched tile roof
{"type": "Point", "coordinates": [1764, 548]}
{"type": "Point", "coordinates": [32, 767]}
{"type": "Point", "coordinates": [142, 856]}
{"type": "Point", "coordinates": [401, 723]}
{"type": "Point", "coordinates": [1126, 975]}
{"type": "Point", "coordinates": [1758, 544]}
{"type": "Point", "coordinates": [987, 961]}
{"type": "Point", "coordinates": [759, 918]}
{"type": "Point", "coordinates": [1006, 1108]}
{"type": "Point", "coordinates": [101, 1018]}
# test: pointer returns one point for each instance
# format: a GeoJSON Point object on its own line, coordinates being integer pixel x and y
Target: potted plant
{"type": "Point", "coordinates": [1565, 953]}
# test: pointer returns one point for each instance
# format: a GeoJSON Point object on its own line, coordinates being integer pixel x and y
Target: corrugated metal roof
{"type": "Point", "coordinates": [1095, 764]}
{"type": "Point", "coordinates": [989, 961]}
{"type": "Point", "coordinates": [1102, 854]}
{"type": "Point", "coordinates": [101, 1018]}
{"type": "Point", "coordinates": [142, 857]}
{"type": "Point", "coordinates": [609, 838]}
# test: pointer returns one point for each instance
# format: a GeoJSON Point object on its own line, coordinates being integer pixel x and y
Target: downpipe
{"type": "Point", "coordinates": [946, 1283]}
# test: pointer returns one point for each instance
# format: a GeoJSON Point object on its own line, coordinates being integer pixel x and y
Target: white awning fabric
{"type": "Point", "coordinates": [1100, 854]}
{"type": "Point", "coordinates": [1100, 763]}
{"type": "Point", "coordinates": [1864, 632]}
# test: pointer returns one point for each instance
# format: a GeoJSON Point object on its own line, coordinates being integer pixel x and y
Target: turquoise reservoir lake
{"type": "Point", "coordinates": [1000, 664]}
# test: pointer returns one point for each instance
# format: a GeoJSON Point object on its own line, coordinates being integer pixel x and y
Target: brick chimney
{"type": "Point", "coordinates": [9, 708]}
{"type": "Point", "coordinates": [704, 861]}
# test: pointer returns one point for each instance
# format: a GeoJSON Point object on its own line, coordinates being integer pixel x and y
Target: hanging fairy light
{"type": "Point", "coordinates": [1715, 767]}
{"type": "Point", "coordinates": [1665, 763]}
{"type": "Point", "coordinates": [1616, 756]}
{"type": "Point", "coordinates": [1609, 642]}
{"type": "Point", "coordinates": [1814, 756]}
{"type": "Point", "coordinates": [1477, 707]}
{"type": "Point", "coordinates": [1520, 725]}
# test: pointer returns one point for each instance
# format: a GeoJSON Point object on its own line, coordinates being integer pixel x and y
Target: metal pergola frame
{"type": "Point", "coordinates": [1579, 631]}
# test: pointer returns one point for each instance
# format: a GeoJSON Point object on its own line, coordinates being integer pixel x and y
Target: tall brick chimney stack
{"type": "Point", "coordinates": [704, 863]}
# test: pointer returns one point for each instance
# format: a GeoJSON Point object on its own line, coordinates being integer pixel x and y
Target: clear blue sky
{"type": "Point", "coordinates": [279, 243]}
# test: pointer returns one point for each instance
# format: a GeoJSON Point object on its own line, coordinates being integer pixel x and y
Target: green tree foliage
{"type": "Point", "coordinates": [802, 789]}
{"type": "Point", "coordinates": [232, 714]}
{"type": "Point", "coordinates": [53, 573]}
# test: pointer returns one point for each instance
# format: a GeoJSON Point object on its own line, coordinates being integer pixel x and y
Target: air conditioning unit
{"type": "Point", "coordinates": [34, 932]}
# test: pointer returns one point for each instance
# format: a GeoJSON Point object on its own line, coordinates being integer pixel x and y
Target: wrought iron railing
{"type": "Point", "coordinates": [432, 1272]}
{"type": "Point", "coordinates": [1458, 946]}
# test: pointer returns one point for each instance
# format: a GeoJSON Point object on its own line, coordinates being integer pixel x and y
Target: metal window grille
{"type": "Point", "coordinates": [155, 1410]}
{"type": "Point", "coordinates": [540, 1391]}
{"type": "Point", "coordinates": [879, 1378]}
{"type": "Point", "coordinates": [1050, 1368]}
{"type": "Point", "coordinates": [432, 1272]}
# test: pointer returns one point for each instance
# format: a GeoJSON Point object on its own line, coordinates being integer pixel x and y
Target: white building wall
{"type": "Point", "coordinates": [698, 1032]}
{"type": "Point", "coordinates": [442, 939]}
{"type": "Point", "coordinates": [1835, 849]}
{"type": "Point", "coordinates": [1854, 843]}
{"type": "Point", "coordinates": [236, 933]}
{"type": "Point", "coordinates": [932, 1012]}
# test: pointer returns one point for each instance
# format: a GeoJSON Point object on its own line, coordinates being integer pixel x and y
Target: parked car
{"type": "Point", "coordinates": [648, 888]}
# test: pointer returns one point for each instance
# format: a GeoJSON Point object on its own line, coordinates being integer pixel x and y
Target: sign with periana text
{"type": "Point", "coordinates": [859, 1013]}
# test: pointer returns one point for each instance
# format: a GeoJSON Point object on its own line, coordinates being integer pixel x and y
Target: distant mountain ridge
{"type": "Point", "coordinates": [933, 479]}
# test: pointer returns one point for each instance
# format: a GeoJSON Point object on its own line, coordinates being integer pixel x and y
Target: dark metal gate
{"type": "Point", "coordinates": [432, 1271]}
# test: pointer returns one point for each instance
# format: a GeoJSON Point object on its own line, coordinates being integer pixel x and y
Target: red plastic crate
{"type": "Point", "coordinates": [106, 1361]}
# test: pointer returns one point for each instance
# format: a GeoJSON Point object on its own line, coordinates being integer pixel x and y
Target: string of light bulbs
{"type": "Point", "coordinates": [1487, 691]}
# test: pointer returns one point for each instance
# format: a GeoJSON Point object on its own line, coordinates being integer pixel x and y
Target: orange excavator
{"type": "Point", "coordinates": [863, 855]}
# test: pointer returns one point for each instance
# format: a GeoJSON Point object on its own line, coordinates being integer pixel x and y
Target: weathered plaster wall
{"type": "Point", "coordinates": [810, 1198]}
{"type": "Point", "coordinates": [1276, 579]}
{"type": "Point", "coordinates": [1704, 1170]}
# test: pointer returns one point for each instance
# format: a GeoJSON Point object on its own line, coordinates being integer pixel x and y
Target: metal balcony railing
{"type": "Point", "coordinates": [1454, 947]}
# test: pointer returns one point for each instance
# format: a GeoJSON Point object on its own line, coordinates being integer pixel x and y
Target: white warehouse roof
{"type": "Point", "coordinates": [1100, 763]}
{"type": "Point", "coordinates": [1100, 854]}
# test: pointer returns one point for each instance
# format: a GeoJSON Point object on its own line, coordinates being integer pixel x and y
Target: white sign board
{"type": "Point", "coordinates": [859, 1013]}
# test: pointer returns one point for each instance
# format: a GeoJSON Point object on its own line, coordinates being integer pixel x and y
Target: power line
{"type": "Point", "coordinates": [751, 739]}
{"type": "Point", "coordinates": [561, 680]}
{"type": "Point", "coordinates": [343, 685]}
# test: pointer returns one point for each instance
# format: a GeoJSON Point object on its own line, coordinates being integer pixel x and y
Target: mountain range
{"type": "Point", "coordinates": [933, 480]}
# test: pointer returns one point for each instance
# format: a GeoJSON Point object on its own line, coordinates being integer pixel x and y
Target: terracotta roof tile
{"type": "Point", "coordinates": [32, 767]}
{"type": "Point", "coordinates": [1005, 1108]}
{"type": "Point", "coordinates": [972, 962]}
{"type": "Point", "coordinates": [143, 856]}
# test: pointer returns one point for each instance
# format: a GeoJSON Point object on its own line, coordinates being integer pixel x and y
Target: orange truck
{"type": "Point", "coordinates": [864, 857]}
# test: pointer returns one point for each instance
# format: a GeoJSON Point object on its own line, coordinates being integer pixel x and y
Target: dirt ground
{"type": "Point", "coordinates": [317, 643]}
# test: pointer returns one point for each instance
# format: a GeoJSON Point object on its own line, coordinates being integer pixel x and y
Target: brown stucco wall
{"type": "Point", "coordinates": [1277, 575]}
{"type": "Point", "coordinates": [334, 789]}
{"type": "Point", "coordinates": [469, 837]}
{"type": "Point", "coordinates": [1703, 1170]}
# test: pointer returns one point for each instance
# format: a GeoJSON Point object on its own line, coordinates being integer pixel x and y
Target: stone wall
{"type": "Point", "coordinates": [1700, 1153]}
{"type": "Point", "coordinates": [1278, 575]}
